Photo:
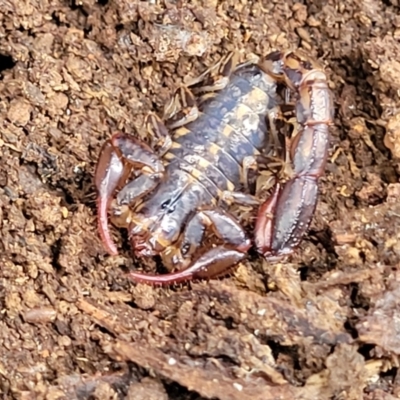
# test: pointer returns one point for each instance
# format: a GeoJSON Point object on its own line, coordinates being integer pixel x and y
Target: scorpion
{"type": "Point", "coordinates": [170, 193]}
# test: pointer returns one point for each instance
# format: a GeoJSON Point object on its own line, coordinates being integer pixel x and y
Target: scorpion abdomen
{"type": "Point", "coordinates": [231, 126]}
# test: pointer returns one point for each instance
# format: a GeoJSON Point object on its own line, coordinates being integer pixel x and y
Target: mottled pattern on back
{"type": "Point", "coordinates": [231, 126]}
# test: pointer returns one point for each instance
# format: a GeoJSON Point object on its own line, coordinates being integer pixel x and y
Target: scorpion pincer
{"type": "Point", "coordinates": [176, 195]}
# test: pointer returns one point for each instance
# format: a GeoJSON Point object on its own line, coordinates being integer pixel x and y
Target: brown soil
{"type": "Point", "coordinates": [323, 325]}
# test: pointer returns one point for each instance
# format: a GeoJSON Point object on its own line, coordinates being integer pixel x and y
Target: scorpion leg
{"type": "Point", "coordinates": [183, 107]}
{"type": "Point", "coordinates": [286, 215]}
{"type": "Point", "coordinates": [264, 181]}
{"type": "Point", "coordinates": [217, 77]}
{"type": "Point", "coordinates": [249, 172]}
{"type": "Point", "coordinates": [213, 262]}
{"type": "Point", "coordinates": [240, 198]}
{"type": "Point", "coordinates": [157, 130]}
{"type": "Point", "coordinates": [258, 170]}
{"type": "Point", "coordinates": [118, 157]}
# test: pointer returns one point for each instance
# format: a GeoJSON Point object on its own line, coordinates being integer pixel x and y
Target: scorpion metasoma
{"type": "Point", "coordinates": [182, 184]}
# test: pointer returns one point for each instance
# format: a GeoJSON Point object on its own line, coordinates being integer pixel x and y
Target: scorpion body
{"type": "Point", "coordinates": [176, 198]}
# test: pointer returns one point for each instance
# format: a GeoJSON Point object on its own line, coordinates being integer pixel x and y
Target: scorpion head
{"type": "Point", "coordinates": [153, 229]}
{"type": "Point", "coordinates": [159, 220]}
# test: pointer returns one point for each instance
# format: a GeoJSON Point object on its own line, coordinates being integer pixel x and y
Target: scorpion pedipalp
{"type": "Point", "coordinates": [293, 206]}
{"type": "Point", "coordinates": [118, 157]}
{"type": "Point", "coordinates": [107, 177]}
{"type": "Point", "coordinates": [212, 262]}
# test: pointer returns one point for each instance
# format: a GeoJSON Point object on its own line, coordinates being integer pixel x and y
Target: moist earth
{"type": "Point", "coordinates": [323, 324]}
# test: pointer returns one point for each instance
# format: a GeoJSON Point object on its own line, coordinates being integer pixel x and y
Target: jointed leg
{"type": "Point", "coordinates": [216, 77]}
{"type": "Point", "coordinates": [243, 199]}
{"type": "Point", "coordinates": [183, 107]}
{"type": "Point", "coordinates": [159, 132]}
{"type": "Point", "coordinates": [274, 117]}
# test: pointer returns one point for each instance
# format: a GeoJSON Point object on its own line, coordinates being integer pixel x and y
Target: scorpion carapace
{"type": "Point", "coordinates": [177, 195]}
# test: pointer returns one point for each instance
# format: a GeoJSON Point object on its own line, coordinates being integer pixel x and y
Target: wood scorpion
{"type": "Point", "coordinates": [172, 194]}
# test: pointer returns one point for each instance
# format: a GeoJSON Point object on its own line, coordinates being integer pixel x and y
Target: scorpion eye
{"type": "Point", "coordinates": [185, 248]}
{"type": "Point", "coordinates": [165, 204]}
{"type": "Point", "coordinates": [171, 209]}
{"type": "Point", "coordinates": [168, 207]}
